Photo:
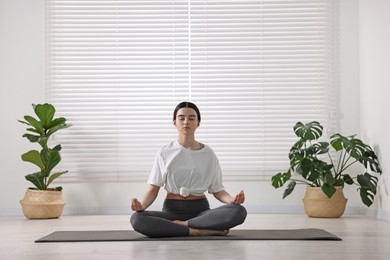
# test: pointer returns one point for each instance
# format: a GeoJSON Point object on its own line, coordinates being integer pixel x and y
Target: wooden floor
{"type": "Point", "coordinates": [363, 238]}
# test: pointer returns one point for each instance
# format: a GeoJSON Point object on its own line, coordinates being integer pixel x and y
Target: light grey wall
{"type": "Point", "coordinates": [374, 20]}
{"type": "Point", "coordinates": [22, 83]}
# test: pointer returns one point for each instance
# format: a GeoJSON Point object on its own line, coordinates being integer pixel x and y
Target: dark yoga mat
{"type": "Point", "coordinates": [239, 234]}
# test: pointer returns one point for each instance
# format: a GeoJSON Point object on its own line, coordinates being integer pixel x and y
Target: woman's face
{"type": "Point", "coordinates": [186, 121]}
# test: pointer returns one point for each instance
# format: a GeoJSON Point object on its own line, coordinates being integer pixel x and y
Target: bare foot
{"type": "Point", "coordinates": [202, 232]}
{"type": "Point", "coordinates": [208, 232]}
{"type": "Point", "coordinates": [181, 222]}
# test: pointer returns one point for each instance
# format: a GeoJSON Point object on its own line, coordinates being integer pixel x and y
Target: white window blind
{"type": "Point", "coordinates": [116, 70]}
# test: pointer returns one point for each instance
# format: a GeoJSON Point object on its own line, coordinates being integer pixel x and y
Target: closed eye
{"type": "Point", "coordinates": [181, 118]}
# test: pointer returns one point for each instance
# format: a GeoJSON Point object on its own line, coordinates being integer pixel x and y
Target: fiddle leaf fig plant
{"type": "Point", "coordinates": [39, 131]}
{"type": "Point", "coordinates": [312, 163]}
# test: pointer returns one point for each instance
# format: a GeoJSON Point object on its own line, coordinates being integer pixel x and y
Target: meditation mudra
{"type": "Point", "coordinates": [187, 169]}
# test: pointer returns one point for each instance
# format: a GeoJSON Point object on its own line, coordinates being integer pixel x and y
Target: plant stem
{"type": "Point", "coordinates": [46, 155]}
{"type": "Point", "coordinates": [344, 161]}
{"type": "Point", "coordinates": [331, 161]}
{"type": "Point", "coordinates": [339, 163]}
{"type": "Point", "coordinates": [302, 182]}
{"type": "Point", "coordinates": [348, 165]}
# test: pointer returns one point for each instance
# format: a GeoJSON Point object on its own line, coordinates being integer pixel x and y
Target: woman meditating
{"type": "Point", "coordinates": [187, 169]}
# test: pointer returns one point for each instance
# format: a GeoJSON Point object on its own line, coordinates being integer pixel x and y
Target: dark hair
{"type": "Point", "coordinates": [186, 105]}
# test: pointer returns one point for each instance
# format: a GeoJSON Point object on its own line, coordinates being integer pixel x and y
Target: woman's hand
{"type": "Point", "coordinates": [147, 199]}
{"type": "Point", "coordinates": [224, 196]}
{"type": "Point", "coordinates": [239, 198]}
{"type": "Point", "coordinates": [136, 205]}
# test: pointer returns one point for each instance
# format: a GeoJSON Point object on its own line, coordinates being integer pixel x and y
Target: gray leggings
{"type": "Point", "coordinates": [197, 212]}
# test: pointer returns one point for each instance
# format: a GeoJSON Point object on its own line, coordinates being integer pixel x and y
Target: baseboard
{"type": "Point", "coordinates": [96, 211]}
{"type": "Point", "coordinates": [383, 215]}
{"type": "Point", "coordinates": [271, 209]}
{"type": "Point", "coordinates": [125, 210]}
{"type": "Point", "coordinates": [10, 212]}
{"type": "Point", "coordinates": [252, 209]}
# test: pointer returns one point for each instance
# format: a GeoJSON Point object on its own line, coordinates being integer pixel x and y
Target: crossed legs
{"type": "Point", "coordinates": [216, 221]}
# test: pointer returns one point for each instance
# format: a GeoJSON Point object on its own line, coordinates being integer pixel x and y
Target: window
{"type": "Point", "coordinates": [117, 69]}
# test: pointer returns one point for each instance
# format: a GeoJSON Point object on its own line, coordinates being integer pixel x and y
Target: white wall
{"type": "Point", "coordinates": [375, 81]}
{"type": "Point", "coordinates": [22, 83]}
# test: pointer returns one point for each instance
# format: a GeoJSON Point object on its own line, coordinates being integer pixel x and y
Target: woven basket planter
{"type": "Point", "coordinates": [42, 204]}
{"type": "Point", "coordinates": [318, 205]}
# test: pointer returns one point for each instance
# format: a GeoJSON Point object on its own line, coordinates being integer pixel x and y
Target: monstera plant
{"type": "Point", "coordinates": [313, 163]}
{"type": "Point", "coordinates": [39, 131]}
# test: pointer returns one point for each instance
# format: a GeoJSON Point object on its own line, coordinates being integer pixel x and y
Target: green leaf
{"type": "Point", "coordinates": [310, 151]}
{"type": "Point", "coordinates": [320, 147]}
{"type": "Point", "coordinates": [348, 179]}
{"type": "Point", "coordinates": [296, 153]}
{"type": "Point", "coordinates": [369, 160]}
{"type": "Point", "coordinates": [367, 196]}
{"type": "Point", "coordinates": [36, 124]}
{"type": "Point", "coordinates": [55, 176]}
{"type": "Point", "coordinates": [57, 148]}
{"type": "Point", "coordinates": [298, 144]}
{"type": "Point", "coordinates": [355, 148]}
{"type": "Point", "coordinates": [367, 181]}
{"type": "Point", "coordinates": [329, 190]}
{"type": "Point", "coordinates": [368, 184]}
{"type": "Point", "coordinates": [51, 159]}
{"type": "Point", "coordinates": [32, 138]}
{"type": "Point", "coordinates": [289, 189]}
{"type": "Point", "coordinates": [32, 130]}
{"type": "Point", "coordinates": [309, 169]}
{"type": "Point", "coordinates": [56, 128]}
{"type": "Point", "coordinates": [309, 131]}
{"type": "Point", "coordinates": [24, 122]}
{"type": "Point", "coordinates": [34, 157]}
{"type": "Point", "coordinates": [337, 141]}
{"type": "Point", "coordinates": [45, 112]}
{"type": "Point", "coordinates": [280, 179]}
{"type": "Point", "coordinates": [339, 182]}
{"type": "Point", "coordinates": [54, 159]}
{"type": "Point", "coordinates": [37, 179]}
{"type": "Point", "coordinates": [57, 122]}
{"type": "Point", "coordinates": [328, 178]}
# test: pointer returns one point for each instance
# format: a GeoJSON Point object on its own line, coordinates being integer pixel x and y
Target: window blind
{"type": "Point", "coordinates": [117, 69]}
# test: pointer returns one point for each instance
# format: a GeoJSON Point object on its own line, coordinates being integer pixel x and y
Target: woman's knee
{"type": "Point", "coordinates": [240, 212]}
{"type": "Point", "coordinates": [135, 219]}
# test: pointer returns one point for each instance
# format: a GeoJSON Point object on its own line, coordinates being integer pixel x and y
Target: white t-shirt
{"type": "Point", "coordinates": [184, 171]}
